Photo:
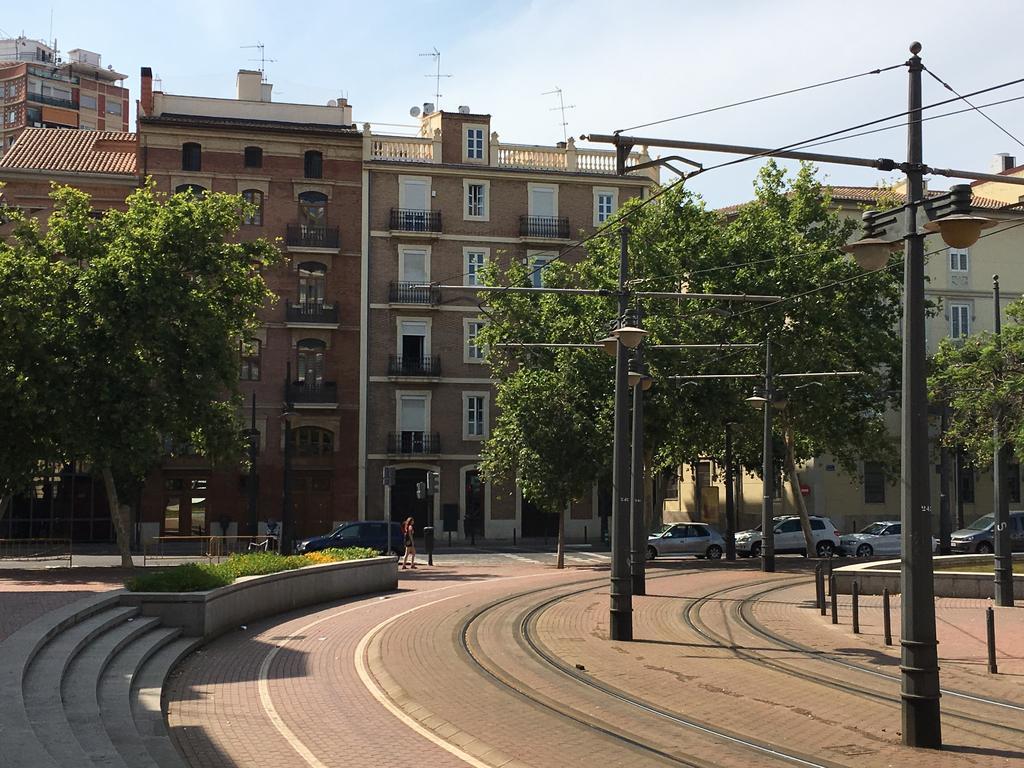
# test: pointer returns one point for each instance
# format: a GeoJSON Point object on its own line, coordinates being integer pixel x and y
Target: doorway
{"type": "Point", "coordinates": [186, 507]}
{"type": "Point", "coordinates": [404, 502]}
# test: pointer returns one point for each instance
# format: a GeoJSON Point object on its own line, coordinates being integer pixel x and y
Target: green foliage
{"type": "Point", "coordinates": [979, 377]}
{"type": "Point", "coordinates": [198, 577]}
{"type": "Point", "coordinates": [553, 430]}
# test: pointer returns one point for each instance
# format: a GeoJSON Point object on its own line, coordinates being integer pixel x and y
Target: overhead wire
{"type": "Point", "coordinates": [951, 89]}
{"type": "Point", "coordinates": [760, 98]}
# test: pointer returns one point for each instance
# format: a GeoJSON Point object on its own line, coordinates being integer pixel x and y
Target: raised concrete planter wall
{"type": "Point", "coordinates": [208, 614]}
{"type": "Point", "coordinates": [873, 577]}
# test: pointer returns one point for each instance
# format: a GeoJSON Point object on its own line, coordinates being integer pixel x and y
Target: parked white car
{"type": "Point", "coordinates": [881, 538]}
{"type": "Point", "coordinates": [789, 537]}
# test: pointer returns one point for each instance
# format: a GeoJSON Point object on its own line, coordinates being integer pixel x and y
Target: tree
{"type": "Point", "coordinates": [785, 242]}
{"type": "Point", "coordinates": [158, 300]}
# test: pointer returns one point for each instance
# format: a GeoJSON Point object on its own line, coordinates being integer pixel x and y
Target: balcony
{"type": "Point", "coordinates": [412, 220]}
{"type": "Point", "coordinates": [309, 236]}
{"type": "Point", "coordinates": [413, 293]}
{"type": "Point", "coordinates": [311, 313]}
{"type": "Point", "coordinates": [403, 365]}
{"type": "Point", "coordinates": [313, 393]}
{"type": "Point", "coordinates": [53, 101]}
{"type": "Point", "coordinates": [413, 443]}
{"type": "Point", "coordinates": [545, 227]}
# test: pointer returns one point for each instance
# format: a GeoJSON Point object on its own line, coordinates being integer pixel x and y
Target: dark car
{"type": "Point", "coordinates": [361, 533]}
{"type": "Point", "coordinates": [977, 537]}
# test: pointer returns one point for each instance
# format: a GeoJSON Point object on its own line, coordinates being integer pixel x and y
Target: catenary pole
{"type": "Point", "coordinates": [1000, 499]}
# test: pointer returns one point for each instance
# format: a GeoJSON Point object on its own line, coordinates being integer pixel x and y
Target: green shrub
{"type": "Point", "coordinates": [190, 577]}
{"type": "Point", "coordinates": [349, 553]}
{"type": "Point", "coordinates": [262, 563]}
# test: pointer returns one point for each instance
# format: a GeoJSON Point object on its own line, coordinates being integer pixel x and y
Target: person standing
{"type": "Point", "coordinates": [408, 529]}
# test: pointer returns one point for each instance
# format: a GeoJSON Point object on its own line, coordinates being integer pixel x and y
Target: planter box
{"type": "Point", "coordinates": [209, 614]}
{"type": "Point", "coordinates": [873, 577]}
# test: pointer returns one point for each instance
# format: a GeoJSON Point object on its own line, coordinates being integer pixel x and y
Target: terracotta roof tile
{"type": "Point", "coordinates": [870, 195]}
{"type": "Point", "coordinates": [54, 149]}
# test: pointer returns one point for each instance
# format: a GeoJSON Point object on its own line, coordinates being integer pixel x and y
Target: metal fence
{"type": "Point", "coordinates": [209, 548]}
{"type": "Point", "coordinates": [33, 550]}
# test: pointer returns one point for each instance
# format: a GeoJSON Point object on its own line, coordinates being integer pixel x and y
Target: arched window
{"type": "Point", "coordinates": [310, 371]}
{"type": "Point", "coordinates": [253, 157]}
{"type": "Point", "coordinates": [249, 355]}
{"type": "Point", "coordinates": [312, 284]}
{"type": "Point", "coordinates": [255, 198]}
{"type": "Point", "coordinates": [195, 190]}
{"type": "Point", "coordinates": [312, 441]}
{"type": "Point", "coordinates": [313, 209]}
{"type": "Point", "coordinates": [191, 156]}
{"type": "Point", "coordinates": [314, 164]}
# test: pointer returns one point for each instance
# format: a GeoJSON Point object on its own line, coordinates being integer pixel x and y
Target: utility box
{"type": "Point", "coordinates": [450, 518]}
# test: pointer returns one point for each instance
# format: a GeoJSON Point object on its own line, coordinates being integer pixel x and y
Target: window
{"type": "Point", "coordinates": [817, 525]}
{"type": "Point", "coordinates": [672, 484]}
{"type": "Point", "coordinates": [966, 485]}
{"type": "Point", "coordinates": [254, 198]}
{"type": "Point", "coordinates": [476, 200]}
{"type": "Point", "coordinates": [536, 266]}
{"type": "Point", "coordinates": [874, 483]}
{"type": "Point", "coordinates": [605, 203]}
{"type": "Point", "coordinates": [958, 260]}
{"type": "Point", "coordinates": [312, 209]}
{"type": "Point", "coordinates": [474, 264]}
{"type": "Point", "coordinates": [543, 200]}
{"type": "Point", "coordinates": [474, 143]}
{"type": "Point", "coordinates": [413, 265]}
{"type": "Point", "coordinates": [12, 117]}
{"type": "Point", "coordinates": [249, 353]}
{"type": "Point", "coordinates": [414, 193]}
{"type": "Point", "coordinates": [412, 343]}
{"type": "Point", "coordinates": [476, 413]}
{"type": "Point", "coordinates": [312, 284]}
{"type": "Point", "coordinates": [959, 320]}
{"type": "Point", "coordinates": [312, 441]}
{"type": "Point", "coordinates": [313, 165]}
{"type": "Point", "coordinates": [253, 157]}
{"type": "Point", "coordinates": [788, 526]}
{"type": "Point", "coordinates": [191, 157]}
{"type": "Point", "coordinates": [311, 363]}
{"type": "Point", "coordinates": [195, 190]}
{"type": "Point", "coordinates": [412, 423]}
{"type": "Point", "coordinates": [474, 350]}
{"type": "Point", "coordinates": [113, 107]}
{"type": "Point", "coordinates": [87, 101]}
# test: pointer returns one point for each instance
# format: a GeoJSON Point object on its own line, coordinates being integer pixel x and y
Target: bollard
{"type": "Point", "coordinates": [855, 593]}
{"type": "Point", "coordinates": [513, 537]}
{"type": "Point", "coordinates": [886, 620]}
{"type": "Point", "coordinates": [819, 587]}
{"type": "Point", "coordinates": [428, 543]}
{"type": "Point", "coordinates": [832, 594]}
{"type": "Point", "coordinates": [586, 540]}
{"type": "Point", "coordinates": [829, 577]}
{"type": "Point", "coordinates": [990, 627]}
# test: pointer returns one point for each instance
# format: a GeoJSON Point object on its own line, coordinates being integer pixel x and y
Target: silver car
{"type": "Point", "coordinates": [698, 539]}
{"type": "Point", "coordinates": [881, 538]}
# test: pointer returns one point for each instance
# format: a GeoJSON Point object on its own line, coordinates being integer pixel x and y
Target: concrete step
{"type": "Point", "coordinates": [147, 701]}
{"type": "Point", "coordinates": [80, 685]}
{"type": "Point", "coordinates": [41, 683]}
{"type": "Point", "coordinates": [115, 695]}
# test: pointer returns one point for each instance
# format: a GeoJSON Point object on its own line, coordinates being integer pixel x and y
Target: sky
{"type": "Point", "coordinates": [618, 64]}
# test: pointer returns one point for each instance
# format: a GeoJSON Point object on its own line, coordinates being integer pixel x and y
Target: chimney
{"type": "Point", "coordinates": [250, 85]}
{"type": "Point", "coordinates": [146, 100]}
{"type": "Point", "coordinates": [1002, 162]}
{"type": "Point", "coordinates": [346, 111]}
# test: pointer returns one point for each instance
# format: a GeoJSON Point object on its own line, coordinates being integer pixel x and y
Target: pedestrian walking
{"type": "Point", "coordinates": [408, 529]}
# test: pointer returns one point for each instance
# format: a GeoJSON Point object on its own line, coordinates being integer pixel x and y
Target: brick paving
{"type": "Point", "coordinates": [26, 594]}
{"type": "Point", "coordinates": [317, 711]}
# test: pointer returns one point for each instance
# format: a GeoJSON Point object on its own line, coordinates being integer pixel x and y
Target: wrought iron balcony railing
{"type": "Point", "coordinates": [409, 442]}
{"type": "Point", "coordinates": [53, 101]}
{"type": "Point", "coordinates": [311, 391]}
{"type": "Point", "coordinates": [403, 365]}
{"type": "Point", "coordinates": [544, 226]}
{"type": "Point", "coordinates": [311, 236]}
{"type": "Point", "coordinates": [412, 220]}
{"type": "Point", "coordinates": [311, 312]}
{"type": "Point", "coordinates": [413, 293]}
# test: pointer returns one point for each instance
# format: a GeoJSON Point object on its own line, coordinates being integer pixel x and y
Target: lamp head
{"type": "Point", "coordinates": [634, 378]}
{"type": "Point", "coordinates": [630, 335]}
{"type": "Point", "coordinates": [757, 400]}
{"type": "Point", "coordinates": [959, 230]}
{"type": "Point", "coordinates": [646, 383]}
{"type": "Point", "coordinates": [871, 253]}
{"type": "Point", "coordinates": [608, 344]}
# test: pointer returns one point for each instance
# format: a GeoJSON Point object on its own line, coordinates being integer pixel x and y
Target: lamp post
{"type": "Point", "coordinates": [286, 484]}
{"type": "Point", "coordinates": [730, 503]}
{"type": "Point", "coordinates": [1001, 499]}
{"type": "Point", "coordinates": [639, 382]}
{"type": "Point", "coordinates": [252, 484]}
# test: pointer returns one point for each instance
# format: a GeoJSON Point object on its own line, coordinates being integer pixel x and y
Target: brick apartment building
{"type": "Point", "coordinates": [439, 207]}
{"type": "Point", "coordinates": [301, 165]}
{"type": "Point", "coordinates": [39, 89]}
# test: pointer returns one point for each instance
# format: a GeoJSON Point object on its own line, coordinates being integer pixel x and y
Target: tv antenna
{"type": "Point", "coordinates": [436, 56]}
{"type": "Point", "coordinates": [562, 106]}
{"type": "Point", "coordinates": [262, 59]}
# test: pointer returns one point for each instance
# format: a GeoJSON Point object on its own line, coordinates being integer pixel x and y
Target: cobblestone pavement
{"type": "Point", "coordinates": [474, 665]}
{"type": "Point", "coordinates": [28, 594]}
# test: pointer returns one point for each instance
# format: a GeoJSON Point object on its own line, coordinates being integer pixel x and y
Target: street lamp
{"type": "Point", "coordinates": [252, 482]}
{"type": "Point", "coordinates": [761, 399]}
{"type": "Point", "coordinates": [639, 382]}
{"type": "Point", "coordinates": [287, 413]}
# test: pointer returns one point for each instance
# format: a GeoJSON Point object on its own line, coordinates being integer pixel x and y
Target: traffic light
{"type": "Point", "coordinates": [421, 490]}
{"type": "Point", "coordinates": [389, 476]}
{"type": "Point", "coordinates": [433, 483]}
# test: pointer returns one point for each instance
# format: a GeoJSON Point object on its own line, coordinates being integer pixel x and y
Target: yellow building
{"type": "Point", "coordinates": [960, 282]}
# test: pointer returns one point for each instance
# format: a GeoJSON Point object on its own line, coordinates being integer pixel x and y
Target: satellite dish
{"type": "Point", "coordinates": [414, 112]}
{"type": "Point", "coordinates": [332, 103]}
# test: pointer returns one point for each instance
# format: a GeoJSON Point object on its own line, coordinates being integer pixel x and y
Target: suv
{"type": "Point", "coordinates": [789, 537]}
{"type": "Point", "coordinates": [977, 537]}
{"type": "Point", "coordinates": [362, 533]}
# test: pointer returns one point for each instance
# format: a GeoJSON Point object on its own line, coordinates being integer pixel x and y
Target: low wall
{"type": "Point", "coordinates": [211, 613]}
{"type": "Point", "coordinates": [873, 577]}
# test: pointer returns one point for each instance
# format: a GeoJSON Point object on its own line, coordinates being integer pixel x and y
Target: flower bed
{"type": "Point", "coordinates": [198, 577]}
